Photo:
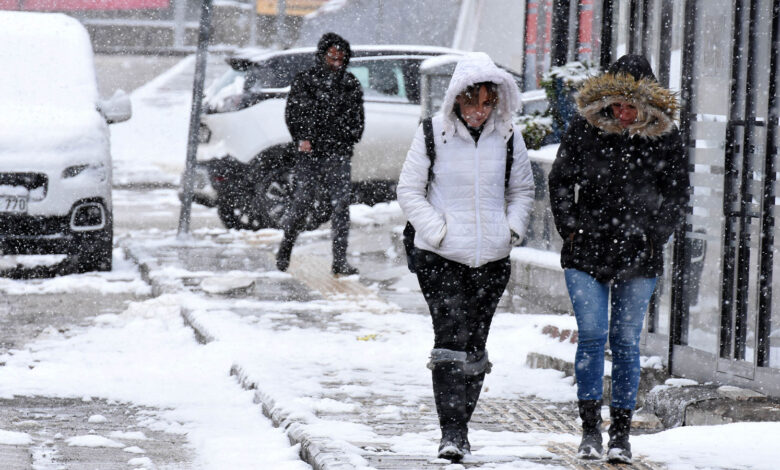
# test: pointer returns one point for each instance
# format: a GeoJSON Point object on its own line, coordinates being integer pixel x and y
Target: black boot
{"type": "Point", "coordinates": [343, 268]}
{"type": "Point", "coordinates": [473, 389]}
{"type": "Point", "coordinates": [449, 446]}
{"type": "Point", "coordinates": [449, 394]}
{"type": "Point", "coordinates": [285, 250]}
{"type": "Point", "coordinates": [590, 413]}
{"type": "Point", "coordinates": [619, 431]}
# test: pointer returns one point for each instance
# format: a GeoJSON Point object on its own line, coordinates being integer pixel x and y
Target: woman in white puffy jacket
{"type": "Point", "coordinates": [467, 218]}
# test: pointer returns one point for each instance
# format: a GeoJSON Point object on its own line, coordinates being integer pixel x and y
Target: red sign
{"type": "Point", "coordinates": [76, 5]}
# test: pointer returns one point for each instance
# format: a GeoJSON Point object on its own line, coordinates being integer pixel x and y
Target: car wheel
{"type": "Point", "coordinates": [275, 192]}
{"type": "Point", "coordinates": [236, 216]}
{"type": "Point", "coordinates": [92, 251]}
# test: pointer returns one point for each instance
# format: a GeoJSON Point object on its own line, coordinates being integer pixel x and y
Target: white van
{"type": "Point", "coordinates": [55, 161]}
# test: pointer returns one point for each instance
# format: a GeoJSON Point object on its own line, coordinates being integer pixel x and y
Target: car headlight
{"type": "Point", "coordinates": [97, 171]}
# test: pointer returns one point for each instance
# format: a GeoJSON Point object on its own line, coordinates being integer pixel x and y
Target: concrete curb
{"type": "Point", "coordinates": [648, 381]}
{"type": "Point", "coordinates": [143, 269]}
{"type": "Point", "coordinates": [313, 451]}
{"type": "Point", "coordinates": [709, 404]}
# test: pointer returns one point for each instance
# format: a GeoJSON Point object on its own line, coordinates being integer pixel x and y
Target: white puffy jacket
{"type": "Point", "coordinates": [466, 215]}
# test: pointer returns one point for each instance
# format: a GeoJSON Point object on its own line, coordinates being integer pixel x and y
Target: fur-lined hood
{"type": "Point", "coordinates": [657, 105]}
{"type": "Point", "coordinates": [477, 67]}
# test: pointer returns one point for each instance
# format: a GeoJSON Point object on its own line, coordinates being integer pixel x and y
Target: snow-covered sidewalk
{"type": "Point", "coordinates": [144, 356]}
{"type": "Point", "coordinates": [342, 370]}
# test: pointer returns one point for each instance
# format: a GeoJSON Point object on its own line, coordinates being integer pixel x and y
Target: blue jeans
{"type": "Point", "coordinates": [591, 301]}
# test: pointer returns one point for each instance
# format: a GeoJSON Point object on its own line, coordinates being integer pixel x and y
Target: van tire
{"type": "Point", "coordinates": [92, 251]}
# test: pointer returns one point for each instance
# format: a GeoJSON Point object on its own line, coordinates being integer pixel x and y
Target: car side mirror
{"type": "Point", "coordinates": [117, 108]}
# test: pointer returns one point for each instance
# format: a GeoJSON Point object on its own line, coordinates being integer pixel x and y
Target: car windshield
{"type": "Point", "coordinates": [277, 72]}
{"type": "Point", "coordinates": [230, 83]}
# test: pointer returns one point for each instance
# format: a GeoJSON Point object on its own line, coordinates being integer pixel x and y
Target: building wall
{"type": "Point", "coordinates": [493, 26]}
{"type": "Point", "coordinates": [425, 22]}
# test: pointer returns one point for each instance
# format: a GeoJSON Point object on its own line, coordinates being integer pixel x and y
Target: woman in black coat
{"type": "Point", "coordinates": [618, 189]}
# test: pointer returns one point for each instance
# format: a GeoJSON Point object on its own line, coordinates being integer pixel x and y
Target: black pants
{"type": "Point", "coordinates": [312, 174]}
{"type": "Point", "coordinates": [461, 299]}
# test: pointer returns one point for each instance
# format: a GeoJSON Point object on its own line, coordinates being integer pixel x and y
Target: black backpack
{"type": "Point", "coordinates": [430, 150]}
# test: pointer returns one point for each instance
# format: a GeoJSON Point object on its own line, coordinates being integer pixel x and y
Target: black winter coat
{"type": "Point", "coordinates": [621, 194]}
{"type": "Point", "coordinates": [324, 107]}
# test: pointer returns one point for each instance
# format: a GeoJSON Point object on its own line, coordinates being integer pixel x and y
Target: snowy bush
{"type": "Point", "coordinates": [535, 128]}
{"type": "Point", "coordinates": [560, 84]}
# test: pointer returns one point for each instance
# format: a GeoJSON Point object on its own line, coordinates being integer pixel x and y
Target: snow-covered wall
{"type": "Point", "coordinates": [493, 26]}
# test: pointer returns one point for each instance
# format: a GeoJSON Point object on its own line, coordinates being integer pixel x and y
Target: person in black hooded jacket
{"type": "Point", "coordinates": [325, 117]}
{"type": "Point", "coordinates": [618, 189]}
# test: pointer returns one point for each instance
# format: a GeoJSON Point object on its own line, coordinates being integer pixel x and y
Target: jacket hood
{"type": "Point", "coordinates": [633, 64]}
{"type": "Point", "coordinates": [477, 67]}
{"type": "Point", "coordinates": [332, 39]}
{"type": "Point", "coordinates": [629, 79]}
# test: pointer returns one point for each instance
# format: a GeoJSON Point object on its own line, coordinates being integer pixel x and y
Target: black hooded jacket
{"type": "Point", "coordinates": [618, 194]}
{"type": "Point", "coordinates": [325, 107]}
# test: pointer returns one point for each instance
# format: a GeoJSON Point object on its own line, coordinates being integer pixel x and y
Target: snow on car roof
{"type": "Point", "coordinates": [48, 90]}
{"type": "Point", "coordinates": [440, 61]}
{"type": "Point", "coordinates": [46, 59]}
{"type": "Point", "coordinates": [259, 55]}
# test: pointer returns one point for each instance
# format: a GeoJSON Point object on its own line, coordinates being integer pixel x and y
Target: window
{"type": "Point", "coordinates": [387, 79]}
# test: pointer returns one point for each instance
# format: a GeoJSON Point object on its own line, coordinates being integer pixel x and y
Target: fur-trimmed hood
{"type": "Point", "coordinates": [477, 67]}
{"type": "Point", "coordinates": [625, 81]}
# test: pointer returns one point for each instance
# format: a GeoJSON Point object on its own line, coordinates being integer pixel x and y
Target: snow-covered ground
{"type": "Point", "coordinates": [148, 356]}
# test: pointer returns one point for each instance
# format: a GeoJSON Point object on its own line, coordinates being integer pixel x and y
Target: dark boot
{"type": "Point", "coordinates": [619, 431]}
{"type": "Point", "coordinates": [449, 446]}
{"type": "Point", "coordinates": [590, 413]}
{"type": "Point", "coordinates": [473, 389]}
{"type": "Point", "coordinates": [343, 268]}
{"type": "Point", "coordinates": [285, 250]}
{"type": "Point", "coordinates": [449, 394]}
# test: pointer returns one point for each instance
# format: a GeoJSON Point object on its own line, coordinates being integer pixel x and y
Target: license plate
{"type": "Point", "coordinates": [13, 204]}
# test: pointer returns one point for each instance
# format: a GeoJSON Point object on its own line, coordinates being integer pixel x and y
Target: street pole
{"type": "Point", "coordinates": [197, 101]}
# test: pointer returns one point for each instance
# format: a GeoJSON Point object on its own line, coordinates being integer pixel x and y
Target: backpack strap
{"type": "Point", "coordinates": [510, 156]}
{"type": "Point", "coordinates": [430, 147]}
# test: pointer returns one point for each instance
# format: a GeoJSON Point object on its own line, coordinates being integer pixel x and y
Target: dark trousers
{"type": "Point", "coordinates": [312, 174]}
{"type": "Point", "coordinates": [461, 299]}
